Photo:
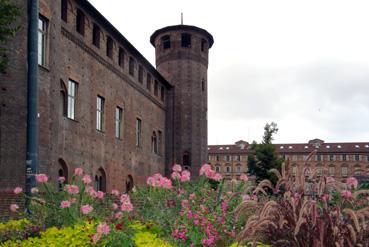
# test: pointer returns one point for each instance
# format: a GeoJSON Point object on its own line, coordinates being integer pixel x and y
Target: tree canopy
{"type": "Point", "coordinates": [264, 156]}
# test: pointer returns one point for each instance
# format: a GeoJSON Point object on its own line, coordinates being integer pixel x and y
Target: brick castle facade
{"type": "Point", "coordinates": [102, 106]}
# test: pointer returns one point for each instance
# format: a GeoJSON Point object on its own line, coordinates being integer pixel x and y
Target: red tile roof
{"type": "Point", "coordinates": [289, 148]}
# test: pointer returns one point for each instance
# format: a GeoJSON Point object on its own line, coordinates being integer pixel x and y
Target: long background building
{"type": "Point", "coordinates": [339, 160]}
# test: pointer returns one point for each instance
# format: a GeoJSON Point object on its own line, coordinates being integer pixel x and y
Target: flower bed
{"type": "Point", "coordinates": [181, 211]}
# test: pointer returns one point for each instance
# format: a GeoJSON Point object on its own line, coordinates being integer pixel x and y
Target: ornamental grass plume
{"type": "Point", "coordinates": [311, 211]}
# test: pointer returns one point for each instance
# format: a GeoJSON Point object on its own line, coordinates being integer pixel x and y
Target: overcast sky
{"type": "Point", "coordinates": [302, 64]}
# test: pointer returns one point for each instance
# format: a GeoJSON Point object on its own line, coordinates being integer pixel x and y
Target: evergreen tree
{"type": "Point", "coordinates": [8, 15]}
{"type": "Point", "coordinates": [264, 156]}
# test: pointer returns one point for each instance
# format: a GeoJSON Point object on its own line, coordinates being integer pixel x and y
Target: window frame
{"type": "Point", "coordinates": [42, 34]}
{"type": "Point", "coordinates": [96, 35]}
{"type": "Point", "coordinates": [72, 99]}
{"type": "Point", "coordinates": [118, 122]}
{"type": "Point", "coordinates": [138, 132]}
{"type": "Point", "coordinates": [100, 112]}
{"type": "Point", "coordinates": [80, 22]}
{"type": "Point", "coordinates": [109, 47]}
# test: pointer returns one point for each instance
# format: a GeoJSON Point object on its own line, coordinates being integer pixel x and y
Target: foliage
{"type": "Point", "coordinates": [147, 235]}
{"type": "Point", "coordinates": [77, 235]}
{"type": "Point", "coordinates": [265, 157]}
{"type": "Point", "coordinates": [8, 15]}
{"type": "Point", "coordinates": [17, 229]}
{"type": "Point", "coordinates": [312, 211]}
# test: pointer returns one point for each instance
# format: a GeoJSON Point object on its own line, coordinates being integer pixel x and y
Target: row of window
{"type": "Point", "coordinates": [331, 171]}
{"type": "Point", "coordinates": [43, 48]}
{"type": "Point", "coordinates": [71, 103]}
{"type": "Point", "coordinates": [318, 157]}
{"type": "Point", "coordinates": [186, 42]}
{"type": "Point", "coordinates": [228, 169]}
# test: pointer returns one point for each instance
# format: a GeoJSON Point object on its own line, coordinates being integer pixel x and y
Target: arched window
{"type": "Point", "coordinates": [154, 143]}
{"type": "Point", "coordinates": [129, 183]}
{"type": "Point", "coordinates": [100, 180]}
{"type": "Point", "coordinates": [186, 159]}
{"type": "Point", "coordinates": [62, 172]}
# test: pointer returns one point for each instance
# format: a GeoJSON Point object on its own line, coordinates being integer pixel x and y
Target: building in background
{"type": "Point", "coordinates": [102, 106]}
{"type": "Point", "coordinates": [339, 160]}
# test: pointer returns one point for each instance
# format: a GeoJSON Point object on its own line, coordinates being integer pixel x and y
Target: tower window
{"type": "Point", "coordinates": [166, 41]}
{"type": "Point", "coordinates": [109, 47]}
{"type": "Point", "coordinates": [160, 140]}
{"type": "Point", "coordinates": [118, 122]}
{"type": "Point", "coordinates": [42, 40]}
{"type": "Point", "coordinates": [154, 143]}
{"type": "Point", "coordinates": [64, 10]}
{"type": "Point", "coordinates": [203, 85]}
{"type": "Point", "coordinates": [80, 22]}
{"type": "Point", "coordinates": [96, 35]}
{"type": "Point", "coordinates": [100, 113]}
{"type": "Point", "coordinates": [203, 45]}
{"type": "Point", "coordinates": [186, 159]}
{"type": "Point", "coordinates": [138, 132]}
{"type": "Point", "coordinates": [186, 40]}
{"type": "Point", "coordinates": [131, 66]}
{"type": "Point", "coordinates": [121, 57]}
{"type": "Point", "coordinates": [72, 95]}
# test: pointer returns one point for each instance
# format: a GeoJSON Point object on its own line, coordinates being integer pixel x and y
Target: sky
{"type": "Point", "coordinates": [303, 64]}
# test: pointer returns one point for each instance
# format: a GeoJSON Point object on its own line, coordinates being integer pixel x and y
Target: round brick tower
{"type": "Point", "coordinates": [182, 58]}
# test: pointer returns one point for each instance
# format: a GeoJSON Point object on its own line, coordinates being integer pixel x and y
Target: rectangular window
{"type": "Point", "coordinates": [228, 169]}
{"type": "Point", "coordinates": [367, 158]}
{"type": "Point", "coordinates": [318, 157]}
{"type": "Point", "coordinates": [140, 74]}
{"type": "Point", "coordinates": [294, 157]}
{"type": "Point", "coordinates": [156, 87]}
{"type": "Point", "coordinates": [344, 157]}
{"type": "Point", "coordinates": [331, 171]}
{"type": "Point", "coordinates": [96, 35]}
{"type": "Point", "coordinates": [118, 122]}
{"type": "Point", "coordinates": [100, 113]}
{"type": "Point", "coordinates": [357, 157]}
{"type": "Point", "coordinates": [131, 65]}
{"type": "Point", "coordinates": [138, 132]}
{"type": "Point", "coordinates": [160, 141]}
{"type": "Point", "coordinates": [80, 22]}
{"type": "Point", "coordinates": [344, 171]}
{"type": "Point", "coordinates": [236, 158]}
{"type": "Point", "coordinates": [238, 169]}
{"type": "Point", "coordinates": [166, 42]}
{"type": "Point", "coordinates": [72, 93]}
{"type": "Point", "coordinates": [42, 40]}
{"type": "Point", "coordinates": [203, 45]}
{"type": "Point", "coordinates": [121, 56]}
{"type": "Point", "coordinates": [109, 47]}
{"type": "Point", "coordinates": [148, 82]}
{"type": "Point", "coordinates": [217, 168]}
{"type": "Point", "coordinates": [294, 171]}
{"type": "Point", "coordinates": [227, 158]}
{"type": "Point", "coordinates": [64, 10]}
{"type": "Point", "coordinates": [162, 93]}
{"type": "Point", "coordinates": [332, 157]}
{"type": "Point", "coordinates": [218, 158]}
{"type": "Point", "coordinates": [186, 40]}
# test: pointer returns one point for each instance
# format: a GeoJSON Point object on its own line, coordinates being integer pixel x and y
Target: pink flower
{"type": "Point", "coordinates": [126, 203]}
{"type": "Point", "coordinates": [86, 209]}
{"type": "Point", "coordinates": [65, 204]}
{"type": "Point", "coordinates": [18, 190]}
{"type": "Point", "coordinates": [115, 192]}
{"type": "Point", "coordinates": [61, 179]}
{"type": "Point", "coordinates": [217, 177]}
{"type": "Point", "coordinates": [177, 168]}
{"type": "Point", "coordinates": [34, 190]}
{"type": "Point", "coordinates": [204, 168]}
{"type": "Point", "coordinates": [95, 238]}
{"type": "Point", "coordinates": [103, 228]}
{"type": "Point", "coordinates": [124, 198]}
{"type": "Point", "coordinates": [297, 196]}
{"type": "Point", "coordinates": [192, 196]}
{"type": "Point", "coordinates": [189, 214]}
{"type": "Point", "coordinates": [326, 197]}
{"type": "Point", "coordinates": [14, 207]}
{"type": "Point", "coordinates": [91, 191]}
{"type": "Point", "coordinates": [72, 200]}
{"type": "Point", "coordinates": [175, 175]}
{"type": "Point", "coordinates": [244, 177]}
{"type": "Point", "coordinates": [352, 182]}
{"type": "Point", "coordinates": [196, 222]}
{"type": "Point", "coordinates": [184, 204]}
{"type": "Point", "coordinates": [86, 179]}
{"type": "Point", "coordinates": [118, 215]}
{"type": "Point", "coordinates": [78, 171]}
{"type": "Point", "coordinates": [72, 189]}
{"type": "Point", "coordinates": [185, 176]}
{"type": "Point", "coordinates": [115, 206]}
{"type": "Point", "coordinates": [41, 178]}
{"type": "Point", "coordinates": [346, 194]}
{"type": "Point", "coordinates": [100, 194]}
{"type": "Point", "coordinates": [224, 206]}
